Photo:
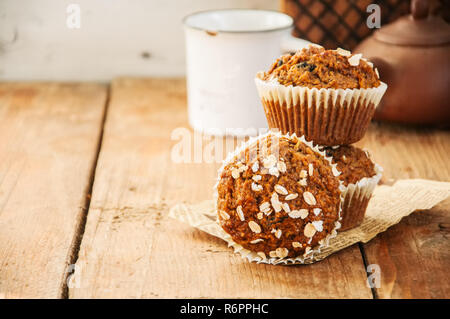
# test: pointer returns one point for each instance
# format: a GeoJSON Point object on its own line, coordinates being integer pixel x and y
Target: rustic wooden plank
{"type": "Point", "coordinates": [413, 256]}
{"type": "Point", "coordinates": [132, 249]}
{"type": "Point", "coordinates": [48, 144]}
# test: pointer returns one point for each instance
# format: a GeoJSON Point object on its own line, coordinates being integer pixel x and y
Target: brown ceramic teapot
{"type": "Point", "coordinates": [412, 55]}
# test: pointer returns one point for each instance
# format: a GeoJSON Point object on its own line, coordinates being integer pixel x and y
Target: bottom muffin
{"type": "Point", "coordinates": [360, 176]}
{"type": "Point", "coordinates": [279, 197]}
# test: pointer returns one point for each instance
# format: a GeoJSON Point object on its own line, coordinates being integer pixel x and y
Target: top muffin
{"type": "Point", "coordinates": [315, 67]}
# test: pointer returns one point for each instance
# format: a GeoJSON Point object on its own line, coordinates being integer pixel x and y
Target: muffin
{"type": "Point", "coordinates": [329, 96]}
{"type": "Point", "coordinates": [359, 176]}
{"type": "Point", "coordinates": [279, 197]}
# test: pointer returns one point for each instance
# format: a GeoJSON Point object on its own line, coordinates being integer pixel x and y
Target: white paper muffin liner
{"type": "Point", "coordinates": [253, 256]}
{"type": "Point", "coordinates": [356, 198]}
{"type": "Point", "coordinates": [325, 116]}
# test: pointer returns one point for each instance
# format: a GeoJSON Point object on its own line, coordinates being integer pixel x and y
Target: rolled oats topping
{"type": "Point", "coordinates": [354, 59]}
{"type": "Point", "coordinates": [296, 244]}
{"type": "Point", "coordinates": [256, 187]}
{"type": "Point", "coordinates": [291, 196]}
{"type": "Point", "coordinates": [269, 161]}
{"type": "Point", "coordinates": [310, 230]}
{"type": "Point", "coordinates": [254, 227]}
{"type": "Point", "coordinates": [264, 207]}
{"type": "Point", "coordinates": [343, 52]}
{"type": "Point", "coordinates": [282, 252]}
{"type": "Point", "coordinates": [281, 190]}
{"type": "Point", "coordinates": [309, 198]}
{"type": "Point", "coordinates": [242, 168]}
{"type": "Point", "coordinates": [278, 233]}
{"type": "Point", "coordinates": [276, 204]}
{"type": "Point", "coordinates": [310, 169]}
{"type": "Point", "coordinates": [303, 173]}
{"type": "Point", "coordinates": [240, 213]}
{"type": "Point", "coordinates": [224, 214]}
{"type": "Point", "coordinates": [301, 213]}
{"type": "Point", "coordinates": [318, 225]}
{"type": "Point", "coordinates": [317, 211]}
{"type": "Point", "coordinates": [281, 166]}
{"type": "Point", "coordinates": [286, 207]}
{"type": "Point", "coordinates": [256, 178]}
{"type": "Point", "coordinates": [274, 171]}
{"type": "Point", "coordinates": [267, 213]}
{"type": "Point", "coordinates": [235, 173]}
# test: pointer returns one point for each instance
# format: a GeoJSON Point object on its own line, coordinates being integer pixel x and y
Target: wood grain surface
{"type": "Point", "coordinates": [52, 141]}
{"type": "Point", "coordinates": [48, 143]}
{"type": "Point", "coordinates": [414, 255]}
{"type": "Point", "coordinates": [132, 249]}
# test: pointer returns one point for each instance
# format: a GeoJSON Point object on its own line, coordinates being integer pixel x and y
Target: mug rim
{"type": "Point", "coordinates": [291, 23]}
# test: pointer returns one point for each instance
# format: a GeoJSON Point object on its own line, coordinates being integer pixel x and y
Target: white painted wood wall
{"type": "Point", "coordinates": [117, 37]}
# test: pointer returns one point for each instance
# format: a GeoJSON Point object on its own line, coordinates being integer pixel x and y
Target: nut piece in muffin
{"type": "Point", "coordinates": [328, 96]}
{"type": "Point", "coordinates": [360, 176]}
{"type": "Point", "coordinates": [279, 197]}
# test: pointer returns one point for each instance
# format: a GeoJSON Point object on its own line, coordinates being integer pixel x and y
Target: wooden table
{"type": "Point", "coordinates": [86, 178]}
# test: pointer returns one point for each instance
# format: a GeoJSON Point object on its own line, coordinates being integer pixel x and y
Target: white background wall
{"type": "Point", "coordinates": [117, 37]}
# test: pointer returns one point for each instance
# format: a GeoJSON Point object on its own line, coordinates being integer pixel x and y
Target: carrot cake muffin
{"type": "Point", "coordinates": [360, 176]}
{"type": "Point", "coordinates": [329, 96]}
{"type": "Point", "coordinates": [279, 197]}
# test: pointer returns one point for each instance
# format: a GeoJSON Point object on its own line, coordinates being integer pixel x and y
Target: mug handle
{"type": "Point", "coordinates": [293, 44]}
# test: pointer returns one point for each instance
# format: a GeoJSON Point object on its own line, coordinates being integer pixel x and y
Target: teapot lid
{"type": "Point", "coordinates": [417, 29]}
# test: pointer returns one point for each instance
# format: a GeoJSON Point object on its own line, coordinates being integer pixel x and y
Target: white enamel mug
{"type": "Point", "coordinates": [224, 51]}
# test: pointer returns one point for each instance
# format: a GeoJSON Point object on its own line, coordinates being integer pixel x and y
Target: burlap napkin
{"type": "Point", "coordinates": [389, 204]}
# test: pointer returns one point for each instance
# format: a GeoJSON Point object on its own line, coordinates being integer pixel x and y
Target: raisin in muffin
{"type": "Point", "coordinates": [279, 197]}
{"type": "Point", "coordinates": [329, 96]}
{"type": "Point", "coordinates": [360, 176]}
